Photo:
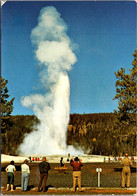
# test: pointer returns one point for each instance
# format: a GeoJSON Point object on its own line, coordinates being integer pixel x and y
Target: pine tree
{"type": "Point", "coordinates": [6, 106]}
{"type": "Point", "coordinates": [6, 109]}
{"type": "Point", "coordinates": [126, 91]}
{"type": "Point", "coordinates": [126, 95]}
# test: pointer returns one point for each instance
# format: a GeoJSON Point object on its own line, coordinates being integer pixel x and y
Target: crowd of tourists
{"type": "Point", "coordinates": [116, 159]}
{"type": "Point", "coordinates": [44, 167]}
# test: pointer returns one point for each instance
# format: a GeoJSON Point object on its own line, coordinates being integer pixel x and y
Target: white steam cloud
{"type": "Point", "coordinates": [53, 50]}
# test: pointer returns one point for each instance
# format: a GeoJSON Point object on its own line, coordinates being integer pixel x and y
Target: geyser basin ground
{"type": "Point", "coordinates": [54, 158]}
{"type": "Point", "coordinates": [109, 178]}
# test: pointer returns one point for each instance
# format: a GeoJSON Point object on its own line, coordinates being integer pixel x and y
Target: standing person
{"type": "Point", "coordinates": [76, 164]}
{"type": "Point", "coordinates": [25, 175]}
{"type": "Point", "coordinates": [30, 159]}
{"type": "Point", "coordinates": [68, 157]}
{"type": "Point", "coordinates": [44, 166]}
{"type": "Point", "coordinates": [126, 162]}
{"type": "Point", "coordinates": [61, 162]}
{"type": "Point", "coordinates": [10, 169]}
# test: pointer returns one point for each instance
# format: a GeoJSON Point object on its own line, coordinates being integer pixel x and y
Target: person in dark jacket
{"type": "Point", "coordinates": [76, 164]}
{"type": "Point", "coordinates": [44, 167]}
{"type": "Point", "coordinates": [61, 162]}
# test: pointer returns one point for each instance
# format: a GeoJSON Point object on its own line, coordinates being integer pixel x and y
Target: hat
{"type": "Point", "coordinates": [25, 161]}
{"type": "Point", "coordinates": [76, 159]}
{"type": "Point", "coordinates": [44, 158]}
{"type": "Point", "coordinates": [126, 154]}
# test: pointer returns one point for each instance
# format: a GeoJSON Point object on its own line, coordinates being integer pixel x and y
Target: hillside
{"type": "Point", "coordinates": [94, 133]}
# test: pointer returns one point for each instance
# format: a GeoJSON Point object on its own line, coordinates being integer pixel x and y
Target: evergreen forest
{"type": "Point", "coordinates": [94, 133]}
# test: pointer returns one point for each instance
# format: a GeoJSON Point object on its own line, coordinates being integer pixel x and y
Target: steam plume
{"type": "Point", "coordinates": [54, 51]}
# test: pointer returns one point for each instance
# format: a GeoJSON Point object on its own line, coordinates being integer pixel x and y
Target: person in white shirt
{"type": "Point", "coordinates": [10, 169]}
{"type": "Point", "coordinates": [25, 175]}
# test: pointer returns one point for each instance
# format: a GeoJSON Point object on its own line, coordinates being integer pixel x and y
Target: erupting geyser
{"type": "Point", "coordinates": [54, 51]}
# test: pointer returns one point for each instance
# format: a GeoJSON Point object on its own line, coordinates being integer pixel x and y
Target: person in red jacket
{"type": "Point", "coordinates": [76, 164]}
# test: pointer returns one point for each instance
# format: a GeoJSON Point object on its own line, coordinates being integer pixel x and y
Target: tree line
{"type": "Point", "coordinates": [97, 134]}
{"type": "Point", "coordinates": [93, 133]}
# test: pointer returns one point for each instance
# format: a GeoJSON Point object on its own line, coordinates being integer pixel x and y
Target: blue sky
{"type": "Point", "coordinates": [105, 34]}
